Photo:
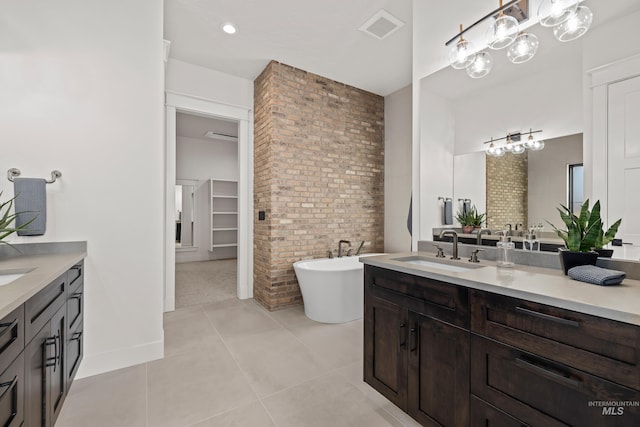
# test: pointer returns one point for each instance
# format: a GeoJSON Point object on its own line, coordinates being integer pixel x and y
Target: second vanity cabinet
{"type": "Point", "coordinates": [453, 356]}
{"type": "Point", "coordinates": [413, 328]}
{"type": "Point", "coordinates": [43, 356]}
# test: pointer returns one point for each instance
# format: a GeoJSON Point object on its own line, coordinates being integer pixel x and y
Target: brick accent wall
{"type": "Point", "coordinates": [507, 190]}
{"type": "Point", "coordinates": [318, 175]}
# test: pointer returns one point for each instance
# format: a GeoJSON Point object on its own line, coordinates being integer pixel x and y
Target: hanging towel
{"type": "Point", "coordinates": [31, 200]}
{"type": "Point", "coordinates": [447, 211]}
{"type": "Point", "coordinates": [466, 206]}
{"type": "Point", "coordinates": [410, 217]}
{"type": "Point", "coordinates": [596, 275]}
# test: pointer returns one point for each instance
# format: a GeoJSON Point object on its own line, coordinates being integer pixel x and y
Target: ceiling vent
{"type": "Point", "coordinates": [381, 25]}
{"type": "Point", "coordinates": [214, 135]}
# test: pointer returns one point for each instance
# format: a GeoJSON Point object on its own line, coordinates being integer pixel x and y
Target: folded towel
{"type": "Point", "coordinates": [596, 275]}
{"type": "Point", "coordinates": [447, 211]}
{"type": "Point", "coordinates": [31, 200]}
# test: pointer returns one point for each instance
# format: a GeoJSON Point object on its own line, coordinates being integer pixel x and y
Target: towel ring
{"type": "Point", "coordinates": [13, 173]}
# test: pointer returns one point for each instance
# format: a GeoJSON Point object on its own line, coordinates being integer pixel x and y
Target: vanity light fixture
{"type": "Point", "coordinates": [568, 18]}
{"type": "Point", "coordinates": [502, 31]}
{"type": "Point", "coordinates": [513, 144]}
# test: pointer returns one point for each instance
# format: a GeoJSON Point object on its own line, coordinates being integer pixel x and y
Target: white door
{"type": "Point", "coordinates": [623, 152]}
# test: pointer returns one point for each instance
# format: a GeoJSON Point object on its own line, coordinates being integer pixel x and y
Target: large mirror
{"type": "Point", "coordinates": [185, 213]}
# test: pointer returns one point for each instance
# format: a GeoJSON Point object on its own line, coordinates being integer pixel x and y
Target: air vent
{"type": "Point", "coordinates": [214, 135]}
{"type": "Point", "coordinates": [381, 25]}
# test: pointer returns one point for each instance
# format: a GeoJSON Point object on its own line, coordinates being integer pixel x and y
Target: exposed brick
{"type": "Point", "coordinates": [318, 174]}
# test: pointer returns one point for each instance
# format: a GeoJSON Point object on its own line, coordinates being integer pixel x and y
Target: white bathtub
{"type": "Point", "coordinates": [332, 288]}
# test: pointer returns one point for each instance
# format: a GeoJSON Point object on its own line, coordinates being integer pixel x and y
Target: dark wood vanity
{"type": "Point", "coordinates": [450, 355]}
{"type": "Point", "coordinates": [40, 352]}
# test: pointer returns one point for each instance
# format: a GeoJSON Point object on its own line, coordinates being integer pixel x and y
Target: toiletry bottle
{"type": "Point", "coordinates": [505, 251]}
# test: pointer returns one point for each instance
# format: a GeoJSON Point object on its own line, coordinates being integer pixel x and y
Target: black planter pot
{"type": "Point", "coordinates": [604, 253]}
{"type": "Point", "coordinates": [570, 259]}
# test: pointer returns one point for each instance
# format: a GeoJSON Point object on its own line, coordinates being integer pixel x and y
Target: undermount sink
{"type": "Point", "coordinates": [438, 264]}
{"type": "Point", "coordinates": [8, 276]}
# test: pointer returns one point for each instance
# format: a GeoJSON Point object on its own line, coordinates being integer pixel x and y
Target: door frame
{"type": "Point", "coordinates": [178, 102]}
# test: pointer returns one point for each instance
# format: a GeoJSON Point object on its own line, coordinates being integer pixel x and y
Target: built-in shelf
{"type": "Point", "coordinates": [223, 216]}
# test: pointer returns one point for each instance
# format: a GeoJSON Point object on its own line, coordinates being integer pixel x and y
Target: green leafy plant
{"type": "Point", "coordinates": [7, 218]}
{"type": "Point", "coordinates": [585, 232]}
{"type": "Point", "coordinates": [471, 217]}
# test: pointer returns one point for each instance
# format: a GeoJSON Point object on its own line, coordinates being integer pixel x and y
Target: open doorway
{"type": "Point", "coordinates": [206, 212]}
{"type": "Point", "coordinates": [209, 199]}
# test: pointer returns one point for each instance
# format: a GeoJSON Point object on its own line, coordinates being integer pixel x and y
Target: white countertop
{"type": "Point", "coordinates": [541, 285]}
{"type": "Point", "coordinates": [45, 269]}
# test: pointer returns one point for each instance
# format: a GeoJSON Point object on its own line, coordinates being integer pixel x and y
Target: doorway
{"type": "Point", "coordinates": [179, 107]}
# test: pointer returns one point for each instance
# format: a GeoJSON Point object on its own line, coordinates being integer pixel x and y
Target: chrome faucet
{"type": "Point", "coordinates": [479, 236]}
{"type": "Point", "coordinates": [509, 233]}
{"type": "Point", "coordinates": [359, 248]}
{"type": "Point", "coordinates": [340, 246]}
{"type": "Point", "coordinates": [455, 241]}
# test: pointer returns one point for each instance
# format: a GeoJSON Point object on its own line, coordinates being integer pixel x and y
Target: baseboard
{"type": "Point", "coordinates": [95, 364]}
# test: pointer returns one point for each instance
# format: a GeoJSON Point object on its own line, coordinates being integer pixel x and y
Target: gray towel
{"type": "Point", "coordinates": [466, 205]}
{"type": "Point", "coordinates": [31, 202]}
{"type": "Point", "coordinates": [596, 275]}
{"type": "Point", "coordinates": [447, 212]}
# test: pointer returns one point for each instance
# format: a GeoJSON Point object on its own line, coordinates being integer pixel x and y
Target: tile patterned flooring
{"type": "Point", "coordinates": [233, 363]}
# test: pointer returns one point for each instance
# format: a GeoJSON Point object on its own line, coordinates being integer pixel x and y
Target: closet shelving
{"type": "Point", "coordinates": [223, 217]}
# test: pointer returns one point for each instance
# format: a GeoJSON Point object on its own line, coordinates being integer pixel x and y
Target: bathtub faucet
{"type": "Point", "coordinates": [360, 248]}
{"type": "Point", "coordinates": [340, 246]}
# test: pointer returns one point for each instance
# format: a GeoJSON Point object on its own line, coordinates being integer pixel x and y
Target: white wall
{"type": "Point", "coordinates": [397, 170]}
{"type": "Point", "coordinates": [201, 160]}
{"type": "Point", "coordinates": [436, 146]}
{"type": "Point", "coordinates": [82, 92]}
{"type": "Point", "coordinates": [548, 177]}
{"type": "Point", "coordinates": [469, 171]}
{"type": "Point", "coordinates": [190, 79]}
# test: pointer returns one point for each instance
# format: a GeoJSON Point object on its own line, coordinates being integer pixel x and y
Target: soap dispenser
{"type": "Point", "coordinates": [531, 243]}
{"type": "Point", "coordinates": [505, 251]}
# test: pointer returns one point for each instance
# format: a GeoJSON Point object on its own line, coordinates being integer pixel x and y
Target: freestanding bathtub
{"type": "Point", "coordinates": [332, 288]}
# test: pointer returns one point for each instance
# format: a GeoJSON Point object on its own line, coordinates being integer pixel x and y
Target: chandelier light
{"type": "Point", "coordinates": [502, 31]}
{"type": "Point", "coordinates": [462, 54]}
{"type": "Point", "coordinates": [555, 12]}
{"type": "Point", "coordinates": [576, 25]}
{"type": "Point", "coordinates": [513, 145]}
{"type": "Point", "coordinates": [523, 48]}
{"type": "Point", "coordinates": [568, 18]}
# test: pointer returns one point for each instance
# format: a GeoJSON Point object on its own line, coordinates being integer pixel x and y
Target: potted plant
{"type": "Point", "coordinates": [7, 218]}
{"type": "Point", "coordinates": [470, 219]}
{"type": "Point", "coordinates": [583, 235]}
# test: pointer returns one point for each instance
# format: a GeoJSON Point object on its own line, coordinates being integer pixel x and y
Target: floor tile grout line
{"type": "Point", "coordinates": [268, 412]}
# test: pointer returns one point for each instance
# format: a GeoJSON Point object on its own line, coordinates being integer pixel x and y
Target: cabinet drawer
{"type": "Point", "coordinates": [542, 392]}
{"type": "Point", "coordinates": [43, 305]}
{"type": "Point", "coordinates": [75, 277]}
{"type": "Point", "coordinates": [11, 337]}
{"type": "Point", "coordinates": [12, 394]}
{"type": "Point", "coordinates": [74, 352]}
{"type": "Point", "coordinates": [599, 346]}
{"type": "Point", "coordinates": [485, 415]}
{"type": "Point", "coordinates": [440, 300]}
{"type": "Point", "coordinates": [75, 308]}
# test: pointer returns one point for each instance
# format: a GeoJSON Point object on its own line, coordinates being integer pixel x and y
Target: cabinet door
{"type": "Point", "coordinates": [385, 358]}
{"type": "Point", "coordinates": [57, 378]}
{"type": "Point", "coordinates": [438, 372]}
{"type": "Point", "coordinates": [35, 356]}
{"type": "Point", "coordinates": [12, 394]}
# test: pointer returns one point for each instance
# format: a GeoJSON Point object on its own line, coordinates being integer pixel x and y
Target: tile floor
{"type": "Point", "coordinates": [233, 363]}
{"type": "Point", "coordinates": [194, 283]}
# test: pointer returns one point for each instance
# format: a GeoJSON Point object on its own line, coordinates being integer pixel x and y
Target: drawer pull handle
{"type": "Point", "coordinates": [548, 317]}
{"type": "Point", "coordinates": [402, 341]}
{"type": "Point", "coordinates": [413, 345]}
{"type": "Point", "coordinates": [8, 327]}
{"type": "Point", "coordinates": [76, 295]}
{"type": "Point", "coordinates": [549, 372]}
{"type": "Point", "coordinates": [7, 386]}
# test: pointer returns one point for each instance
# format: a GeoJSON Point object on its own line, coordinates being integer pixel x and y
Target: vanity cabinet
{"type": "Point", "coordinates": [416, 346]}
{"type": "Point", "coordinates": [453, 356]}
{"type": "Point", "coordinates": [40, 348]}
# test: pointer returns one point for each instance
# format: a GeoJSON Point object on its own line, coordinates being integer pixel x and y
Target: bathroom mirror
{"type": "Point", "coordinates": [185, 213]}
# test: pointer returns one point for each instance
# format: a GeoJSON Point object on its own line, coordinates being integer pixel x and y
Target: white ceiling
{"type": "Point", "coordinates": [321, 37]}
{"type": "Point", "coordinates": [194, 126]}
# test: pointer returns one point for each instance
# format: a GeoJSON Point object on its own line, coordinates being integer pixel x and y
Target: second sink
{"type": "Point", "coordinates": [441, 265]}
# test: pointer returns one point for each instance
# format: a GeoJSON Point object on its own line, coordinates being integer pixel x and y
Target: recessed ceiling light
{"type": "Point", "coordinates": [229, 28]}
